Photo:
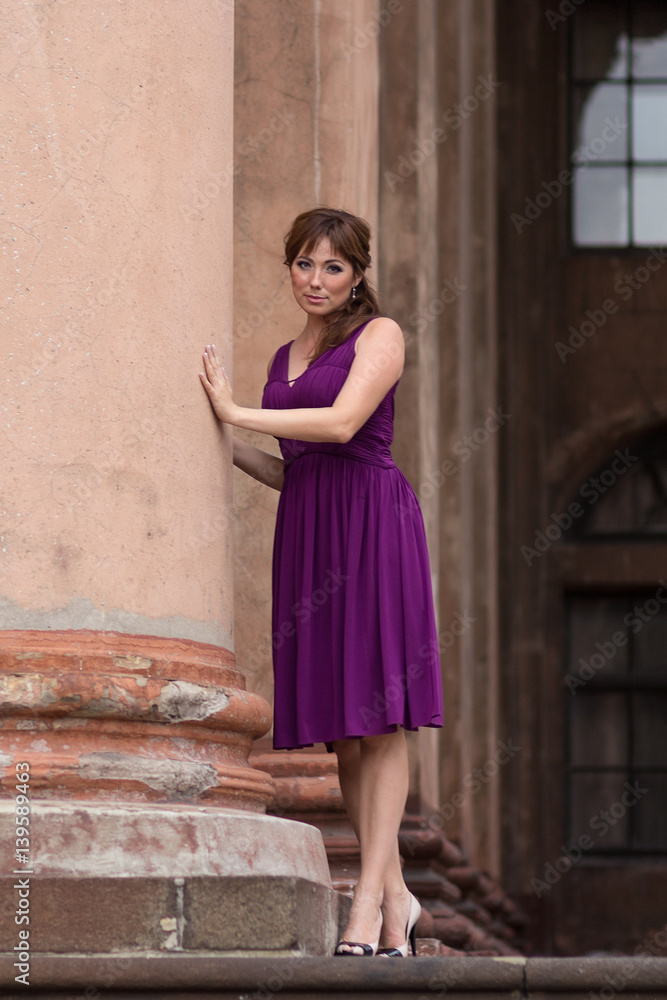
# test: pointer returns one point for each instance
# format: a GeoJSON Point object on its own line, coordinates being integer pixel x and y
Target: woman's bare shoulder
{"type": "Point", "coordinates": [381, 330]}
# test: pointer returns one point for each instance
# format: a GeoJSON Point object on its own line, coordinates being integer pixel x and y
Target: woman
{"type": "Point", "coordinates": [354, 640]}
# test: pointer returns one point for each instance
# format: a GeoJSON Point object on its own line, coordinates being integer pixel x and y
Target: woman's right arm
{"type": "Point", "coordinates": [262, 466]}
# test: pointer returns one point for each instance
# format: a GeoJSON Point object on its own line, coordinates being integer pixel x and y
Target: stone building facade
{"type": "Point", "coordinates": [463, 131]}
{"type": "Point", "coordinates": [510, 160]}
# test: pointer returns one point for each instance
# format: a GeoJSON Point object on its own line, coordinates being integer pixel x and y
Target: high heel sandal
{"type": "Point", "coordinates": [365, 950]}
{"type": "Point", "coordinates": [410, 933]}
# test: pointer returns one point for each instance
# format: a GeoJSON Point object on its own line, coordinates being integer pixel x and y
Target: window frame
{"type": "Point", "coordinates": [572, 85]}
{"type": "Point", "coordinates": [627, 684]}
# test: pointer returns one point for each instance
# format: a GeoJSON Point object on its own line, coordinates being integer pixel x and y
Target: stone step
{"type": "Point", "coordinates": [206, 976]}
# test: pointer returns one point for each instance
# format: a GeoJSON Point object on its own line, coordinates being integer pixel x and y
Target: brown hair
{"type": "Point", "coordinates": [350, 238]}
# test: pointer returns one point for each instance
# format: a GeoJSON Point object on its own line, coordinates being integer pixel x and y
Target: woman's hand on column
{"type": "Point", "coordinates": [217, 386]}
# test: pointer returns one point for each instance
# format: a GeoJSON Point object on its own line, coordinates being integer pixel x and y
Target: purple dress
{"type": "Point", "coordinates": [355, 647]}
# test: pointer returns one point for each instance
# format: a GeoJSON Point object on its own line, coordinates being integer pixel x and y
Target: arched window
{"type": "Point", "coordinates": [627, 498]}
{"type": "Point", "coordinates": [618, 115]}
{"type": "Point", "coordinates": [616, 664]}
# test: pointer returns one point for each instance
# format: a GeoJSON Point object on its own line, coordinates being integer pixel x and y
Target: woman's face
{"type": "Point", "coordinates": [322, 279]}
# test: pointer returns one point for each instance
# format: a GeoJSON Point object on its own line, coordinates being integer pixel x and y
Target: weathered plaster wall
{"type": "Point", "coordinates": [115, 488]}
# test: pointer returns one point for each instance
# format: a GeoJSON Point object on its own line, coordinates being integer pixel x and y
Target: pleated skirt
{"type": "Point", "coordinates": [354, 640]}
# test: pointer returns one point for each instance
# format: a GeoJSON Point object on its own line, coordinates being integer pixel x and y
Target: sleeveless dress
{"type": "Point", "coordinates": [354, 641]}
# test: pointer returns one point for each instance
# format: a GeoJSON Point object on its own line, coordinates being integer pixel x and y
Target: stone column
{"type": "Point", "coordinates": [409, 251]}
{"type": "Point", "coordinates": [120, 694]}
{"type": "Point", "coordinates": [472, 419]}
{"type": "Point", "coordinates": [437, 224]}
{"type": "Point", "coordinates": [310, 144]}
{"type": "Point", "coordinates": [313, 143]}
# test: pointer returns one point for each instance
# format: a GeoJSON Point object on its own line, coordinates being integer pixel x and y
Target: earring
{"type": "Point", "coordinates": [354, 291]}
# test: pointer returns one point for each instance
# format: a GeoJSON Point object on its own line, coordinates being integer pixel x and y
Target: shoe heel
{"type": "Point", "coordinates": [415, 913]}
{"type": "Point", "coordinates": [401, 951]}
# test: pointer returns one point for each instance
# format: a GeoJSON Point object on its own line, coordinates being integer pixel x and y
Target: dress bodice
{"type": "Point", "coordinates": [318, 386]}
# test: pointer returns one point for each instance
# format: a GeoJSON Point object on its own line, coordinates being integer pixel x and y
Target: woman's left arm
{"type": "Point", "coordinates": [380, 354]}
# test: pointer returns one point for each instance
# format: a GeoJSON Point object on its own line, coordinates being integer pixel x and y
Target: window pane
{"type": "Point", "coordinates": [600, 44]}
{"type": "Point", "coordinates": [650, 811]}
{"type": "Point", "coordinates": [597, 809]}
{"type": "Point", "coordinates": [600, 206]}
{"type": "Point", "coordinates": [601, 114]}
{"type": "Point", "coordinates": [650, 205]}
{"type": "Point", "coordinates": [649, 712]}
{"type": "Point", "coordinates": [649, 44]}
{"type": "Point", "coordinates": [617, 738]}
{"type": "Point", "coordinates": [650, 641]}
{"type": "Point", "coordinates": [595, 624]}
{"type": "Point", "coordinates": [599, 729]}
{"type": "Point", "coordinates": [649, 122]}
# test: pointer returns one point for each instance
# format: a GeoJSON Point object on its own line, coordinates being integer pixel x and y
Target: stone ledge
{"type": "Point", "coordinates": [213, 975]}
{"type": "Point", "coordinates": [217, 976]}
{"type": "Point", "coordinates": [617, 973]}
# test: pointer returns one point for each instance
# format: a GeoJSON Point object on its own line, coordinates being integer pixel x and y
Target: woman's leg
{"type": "Point", "coordinates": [373, 774]}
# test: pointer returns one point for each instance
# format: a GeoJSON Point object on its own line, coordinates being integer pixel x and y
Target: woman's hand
{"type": "Point", "coordinates": [217, 386]}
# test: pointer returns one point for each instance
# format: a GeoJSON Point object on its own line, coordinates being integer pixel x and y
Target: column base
{"type": "Point", "coordinates": [110, 716]}
{"type": "Point", "coordinates": [172, 878]}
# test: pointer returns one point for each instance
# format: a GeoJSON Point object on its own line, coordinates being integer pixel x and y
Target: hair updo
{"type": "Point", "coordinates": [350, 238]}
